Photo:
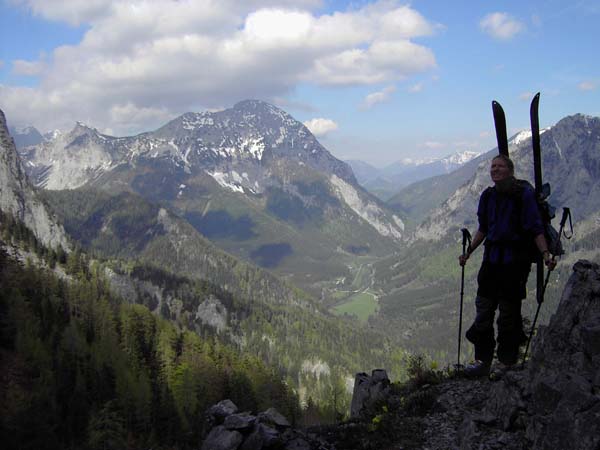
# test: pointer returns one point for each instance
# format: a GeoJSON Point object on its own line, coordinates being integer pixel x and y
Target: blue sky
{"type": "Point", "coordinates": [375, 80]}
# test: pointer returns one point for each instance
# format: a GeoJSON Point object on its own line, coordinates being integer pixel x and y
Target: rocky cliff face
{"type": "Point", "coordinates": [18, 198]}
{"type": "Point", "coordinates": [557, 399]}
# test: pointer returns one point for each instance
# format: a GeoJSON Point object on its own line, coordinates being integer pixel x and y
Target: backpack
{"type": "Point", "coordinates": [547, 213]}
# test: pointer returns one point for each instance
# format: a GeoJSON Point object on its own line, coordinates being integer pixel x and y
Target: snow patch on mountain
{"type": "Point", "coordinates": [228, 180]}
{"type": "Point", "coordinates": [369, 211]}
{"type": "Point", "coordinates": [254, 146]}
{"type": "Point", "coordinates": [460, 158]}
{"type": "Point", "coordinates": [193, 121]}
{"type": "Point", "coordinates": [523, 136]}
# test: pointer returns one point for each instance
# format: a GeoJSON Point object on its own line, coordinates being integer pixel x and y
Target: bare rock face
{"type": "Point", "coordinates": [557, 399]}
{"type": "Point", "coordinates": [18, 198]}
{"type": "Point", "coordinates": [564, 372]}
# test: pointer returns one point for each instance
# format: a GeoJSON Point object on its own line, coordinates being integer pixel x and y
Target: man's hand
{"type": "Point", "coordinates": [462, 259]}
{"type": "Point", "coordinates": [549, 261]}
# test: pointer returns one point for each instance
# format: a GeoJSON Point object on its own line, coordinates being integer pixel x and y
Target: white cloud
{"type": "Point", "coordinates": [501, 25]}
{"type": "Point", "coordinates": [417, 87]}
{"type": "Point", "coordinates": [74, 12]}
{"type": "Point", "coordinates": [526, 96]}
{"type": "Point", "coordinates": [377, 97]}
{"type": "Point", "coordinates": [162, 58]}
{"type": "Point", "coordinates": [28, 68]}
{"type": "Point", "coordinates": [587, 85]}
{"type": "Point", "coordinates": [320, 127]}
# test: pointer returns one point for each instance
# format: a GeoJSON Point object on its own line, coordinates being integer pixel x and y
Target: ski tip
{"type": "Point", "coordinates": [534, 106]}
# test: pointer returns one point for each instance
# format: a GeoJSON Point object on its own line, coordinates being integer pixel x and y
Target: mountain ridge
{"type": "Point", "coordinates": [251, 178]}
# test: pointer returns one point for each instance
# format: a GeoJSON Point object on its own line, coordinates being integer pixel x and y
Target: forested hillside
{"type": "Point", "coordinates": [79, 361]}
{"type": "Point", "coordinates": [83, 369]}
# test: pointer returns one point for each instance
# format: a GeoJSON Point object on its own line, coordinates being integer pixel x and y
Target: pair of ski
{"type": "Point", "coordinates": [542, 191]}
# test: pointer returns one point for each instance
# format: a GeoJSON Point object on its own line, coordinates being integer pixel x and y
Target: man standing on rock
{"type": "Point", "coordinates": [510, 223]}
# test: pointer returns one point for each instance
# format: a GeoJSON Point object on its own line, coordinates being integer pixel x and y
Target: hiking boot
{"type": "Point", "coordinates": [477, 369]}
{"type": "Point", "coordinates": [500, 369]}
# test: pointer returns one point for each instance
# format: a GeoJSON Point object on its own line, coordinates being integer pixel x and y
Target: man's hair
{"type": "Point", "coordinates": [508, 161]}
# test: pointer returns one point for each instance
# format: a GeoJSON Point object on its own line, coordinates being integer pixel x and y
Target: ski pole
{"type": "Point", "coordinates": [466, 237]}
{"type": "Point", "coordinates": [566, 215]}
{"type": "Point", "coordinates": [540, 297]}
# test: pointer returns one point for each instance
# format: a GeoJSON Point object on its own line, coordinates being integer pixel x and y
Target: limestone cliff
{"type": "Point", "coordinates": [18, 198]}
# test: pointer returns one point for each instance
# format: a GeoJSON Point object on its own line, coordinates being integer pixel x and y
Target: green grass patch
{"type": "Point", "coordinates": [339, 295]}
{"type": "Point", "coordinates": [361, 305]}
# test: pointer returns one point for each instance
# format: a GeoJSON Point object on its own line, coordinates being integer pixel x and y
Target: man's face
{"type": "Point", "coordinates": [499, 170]}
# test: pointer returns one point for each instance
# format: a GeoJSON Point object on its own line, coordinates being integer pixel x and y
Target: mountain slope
{"type": "Point", "coordinates": [18, 198]}
{"type": "Point", "coordinates": [250, 178]}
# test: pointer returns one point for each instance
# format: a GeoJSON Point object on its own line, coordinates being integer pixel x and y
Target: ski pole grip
{"type": "Point", "coordinates": [466, 238]}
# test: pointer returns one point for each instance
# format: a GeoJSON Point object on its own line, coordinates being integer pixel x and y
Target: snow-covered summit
{"type": "Point", "coordinates": [460, 158]}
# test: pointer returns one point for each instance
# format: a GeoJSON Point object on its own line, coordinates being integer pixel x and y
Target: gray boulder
{"type": "Point", "coordinates": [368, 391]}
{"type": "Point", "coordinates": [273, 417]}
{"type": "Point", "coordinates": [220, 438]}
{"type": "Point", "coordinates": [223, 409]}
{"type": "Point", "coordinates": [243, 421]}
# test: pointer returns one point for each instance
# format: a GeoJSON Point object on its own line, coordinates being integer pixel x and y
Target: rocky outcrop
{"type": "Point", "coordinates": [228, 429]}
{"type": "Point", "coordinates": [18, 198]}
{"type": "Point", "coordinates": [368, 392]}
{"type": "Point", "coordinates": [557, 399]}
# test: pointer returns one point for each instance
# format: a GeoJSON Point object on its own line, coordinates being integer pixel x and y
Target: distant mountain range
{"type": "Point", "coordinates": [251, 178]}
{"type": "Point", "coordinates": [258, 184]}
{"type": "Point", "coordinates": [391, 179]}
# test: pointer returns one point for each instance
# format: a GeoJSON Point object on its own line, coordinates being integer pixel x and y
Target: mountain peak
{"type": "Point", "coordinates": [82, 126]}
{"type": "Point", "coordinates": [250, 104]}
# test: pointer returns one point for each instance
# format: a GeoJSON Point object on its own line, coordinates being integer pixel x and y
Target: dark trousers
{"type": "Point", "coordinates": [510, 330]}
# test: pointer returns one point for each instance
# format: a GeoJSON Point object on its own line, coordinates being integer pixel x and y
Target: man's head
{"type": "Point", "coordinates": [502, 168]}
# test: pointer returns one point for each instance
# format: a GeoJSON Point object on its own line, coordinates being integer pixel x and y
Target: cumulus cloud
{"type": "Point", "coordinates": [320, 127]}
{"type": "Point", "coordinates": [28, 68]}
{"type": "Point", "coordinates": [587, 85]}
{"type": "Point", "coordinates": [142, 61]}
{"type": "Point", "coordinates": [377, 97]}
{"type": "Point", "coordinates": [501, 26]}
